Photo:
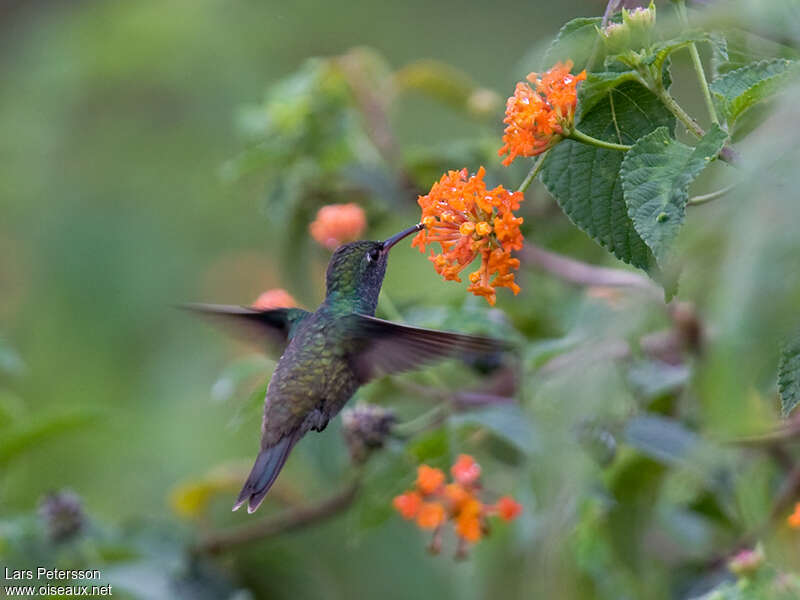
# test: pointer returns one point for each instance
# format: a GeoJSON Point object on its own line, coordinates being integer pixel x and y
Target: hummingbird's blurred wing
{"type": "Point", "coordinates": [273, 328]}
{"type": "Point", "coordinates": [383, 347]}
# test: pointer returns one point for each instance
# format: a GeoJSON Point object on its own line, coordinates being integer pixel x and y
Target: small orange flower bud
{"type": "Point", "coordinates": [467, 227]}
{"type": "Point", "coordinates": [457, 496]}
{"type": "Point", "coordinates": [408, 504]}
{"type": "Point", "coordinates": [483, 229]}
{"type": "Point", "coordinates": [429, 221]}
{"type": "Point", "coordinates": [469, 528]}
{"type": "Point", "coordinates": [794, 518]}
{"type": "Point", "coordinates": [465, 470]}
{"type": "Point", "coordinates": [337, 224]}
{"type": "Point", "coordinates": [507, 508]}
{"type": "Point", "coordinates": [431, 515]}
{"type": "Point", "coordinates": [429, 479]}
{"type": "Point", "coordinates": [274, 298]}
{"type": "Point", "coordinates": [468, 522]}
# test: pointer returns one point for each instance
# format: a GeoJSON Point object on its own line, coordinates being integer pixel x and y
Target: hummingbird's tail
{"type": "Point", "coordinates": [264, 473]}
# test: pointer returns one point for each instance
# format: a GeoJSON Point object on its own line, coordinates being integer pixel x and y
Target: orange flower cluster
{"type": "Point", "coordinates": [337, 224]}
{"type": "Point", "coordinates": [274, 298]}
{"type": "Point", "coordinates": [794, 519]}
{"type": "Point", "coordinates": [538, 119]}
{"type": "Point", "coordinates": [468, 220]}
{"type": "Point", "coordinates": [433, 502]}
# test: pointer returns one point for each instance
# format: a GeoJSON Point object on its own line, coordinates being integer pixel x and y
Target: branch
{"type": "Point", "coordinates": [460, 399]}
{"type": "Point", "coordinates": [288, 520]}
{"type": "Point", "coordinates": [775, 437]}
{"type": "Point", "coordinates": [581, 273]}
{"type": "Point", "coordinates": [537, 166]}
{"type": "Point", "coordinates": [702, 199]}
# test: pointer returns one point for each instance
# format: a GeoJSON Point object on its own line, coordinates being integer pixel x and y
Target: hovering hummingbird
{"type": "Point", "coordinates": [329, 353]}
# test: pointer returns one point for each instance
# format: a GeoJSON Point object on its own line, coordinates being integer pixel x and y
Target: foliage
{"type": "Point", "coordinates": [640, 433]}
{"type": "Point", "coordinates": [789, 376]}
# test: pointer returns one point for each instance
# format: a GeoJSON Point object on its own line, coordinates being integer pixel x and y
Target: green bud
{"type": "Point", "coordinates": [634, 33]}
{"type": "Point", "coordinates": [640, 23]}
{"type": "Point", "coordinates": [617, 37]}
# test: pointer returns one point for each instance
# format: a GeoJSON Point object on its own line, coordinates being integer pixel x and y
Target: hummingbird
{"type": "Point", "coordinates": [329, 353]}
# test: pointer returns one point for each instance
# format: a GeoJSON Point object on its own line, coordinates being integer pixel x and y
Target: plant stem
{"type": "Point", "coordinates": [702, 199]}
{"type": "Point", "coordinates": [727, 154]}
{"type": "Point", "coordinates": [579, 136]}
{"type": "Point", "coordinates": [698, 65]}
{"type": "Point", "coordinates": [537, 166]}
{"type": "Point", "coordinates": [581, 273]}
{"type": "Point", "coordinates": [676, 109]}
{"type": "Point", "coordinates": [288, 520]}
{"type": "Point", "coordinates": [427, 420]}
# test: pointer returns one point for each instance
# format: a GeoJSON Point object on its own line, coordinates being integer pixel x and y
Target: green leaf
{"type": "Point", "coordinates": [585, 179]}
{"type": "Point", "coordinates": [662, 439]}
{"type": "Point", "coordinates": [738, 90]}
{"type": "Point", "coordinates": [661, 51]}
{"type": "Point", "coordinates": [508, 423]}
{"type": "Point", "coordinates": [429, 447]}
{"type": "Point", "coordinates": [596, 87]}
{"type": "Point", "coordinates": [389, 474]}
{"type": "Point", "coordinates": [574, 41]}
{"type": "Point", "coordinates": [789, 376]}
{"type": "Point", "coordinates": [656, 174]}
{"type": "Point", "coordinates": [735, 48]}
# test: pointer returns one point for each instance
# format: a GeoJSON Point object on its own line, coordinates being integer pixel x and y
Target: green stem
{"type": "Point", "coordinates": [426, 420]}
{"type": "Point", "coordinates": [537, 166]}
{"type": "Point", "coordinates": [676, 109]}
{"type": "Point", "coordinates": [579, 136]}
{"type": "Point", "coordinates": [728, 154]}
{"type": "Point", "coordinates": [698, 65]}
{"type": "Point", "coordinates": [710, 196]}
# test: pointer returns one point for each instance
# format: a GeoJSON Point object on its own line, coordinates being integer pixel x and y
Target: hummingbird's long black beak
{"type": "Point", "coordinates": [388, 243]}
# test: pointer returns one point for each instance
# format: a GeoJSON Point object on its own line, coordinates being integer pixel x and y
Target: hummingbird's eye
{"type": "Point", "coordinates": [373, 255]}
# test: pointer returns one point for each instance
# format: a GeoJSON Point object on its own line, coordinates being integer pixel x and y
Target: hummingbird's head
{"type": "Point", "coordinates": [355, 272]}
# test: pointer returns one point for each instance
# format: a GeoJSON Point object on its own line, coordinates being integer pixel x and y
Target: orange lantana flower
{"type": "Point", "coordinates": [337, 224]}
{"type": "Point", "coordinates": [431, 515]}
{"type": "Point", "coordinates": [465, 470]}
{"type": "Point", "coordinates": [433, 503]}
{"type": "Point", "coordinates": [469, 521]}
{"type": "Point", "coordinates": [467, 221]}
{"type": "Point", "coordinates": [537, 119]}
{"type": "Point", "coordinates": [407, 504]}
{"type": "Point", "coordinates": [507, 508]}
{"type": "Point", "coordinates": [429, 479]}
{"type": "Point", "coordinates": [794, 518]}
{"type": "Point", "coordinates": [274, 298]}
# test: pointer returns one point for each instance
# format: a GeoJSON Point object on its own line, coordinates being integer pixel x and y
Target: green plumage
{"type": "Point", "coordinates": [329, 353]}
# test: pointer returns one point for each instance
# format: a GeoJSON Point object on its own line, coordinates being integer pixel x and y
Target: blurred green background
{"type": "Point", "coordinates": [116, 121]}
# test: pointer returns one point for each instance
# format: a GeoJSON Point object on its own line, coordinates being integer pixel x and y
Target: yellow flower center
{"type": "Point", "coordinates": [483, 228]}
{"type": "Point", "coordinates": [467, 227]}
